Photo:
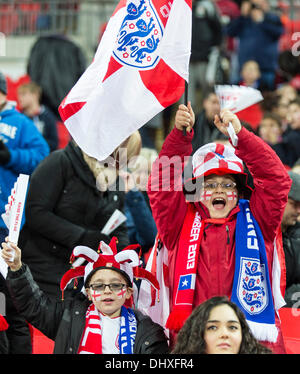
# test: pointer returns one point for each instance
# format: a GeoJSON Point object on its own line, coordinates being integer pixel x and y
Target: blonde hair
{"type": "Point", "coordinates": [134, 145]}
{"type": "Point", "coordinates": [31, 87]}
{"type": "Point", "coordinates": [106, 174]}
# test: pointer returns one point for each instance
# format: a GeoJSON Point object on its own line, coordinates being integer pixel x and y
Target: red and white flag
{"type": "Point", "coordinates": [139, 69]}
{"type": "Point", "coordinates": [157, 264]}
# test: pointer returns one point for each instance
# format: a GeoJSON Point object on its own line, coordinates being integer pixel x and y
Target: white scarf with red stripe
{"type": "Point", "coordinates": [91, 342]}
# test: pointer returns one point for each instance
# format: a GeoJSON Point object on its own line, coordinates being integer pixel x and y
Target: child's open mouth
{"type": "Point", "coordinates": [219, 203]}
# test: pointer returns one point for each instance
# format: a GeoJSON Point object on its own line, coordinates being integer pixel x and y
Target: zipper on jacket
{"type": "Point", "coordinates": [227, 244]}
{"type": "Point", "coordinates": [228, 236]}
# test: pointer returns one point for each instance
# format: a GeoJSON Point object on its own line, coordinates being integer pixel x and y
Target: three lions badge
{"type": "Point", "coordinates": [253, 293]}
{"type": "Point", "coordinates": [139, 36]}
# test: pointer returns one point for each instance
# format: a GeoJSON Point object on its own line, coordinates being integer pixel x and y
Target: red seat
{"type": "Point", "coordinates": [40, 343]}
{"type": "Point", "coordinates": [290, 324]}
{"type": "Point", "coordinates": [9, 19]}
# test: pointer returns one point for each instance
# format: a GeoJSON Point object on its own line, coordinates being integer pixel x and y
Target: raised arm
{"type": "Point", "coordinates": [271, 180]}
{"type": "Point", "coordinates": [30, 301]}
{"type": "Point", "coordinates": [165, 183]}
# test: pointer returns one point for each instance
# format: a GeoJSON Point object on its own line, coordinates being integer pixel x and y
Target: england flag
{"type": "Point", "coordinates": [139, 69]}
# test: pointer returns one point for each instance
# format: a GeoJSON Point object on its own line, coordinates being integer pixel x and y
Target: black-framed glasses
{"type": "Point", "coordinates": [114, 287]}
{"type": "Point", "coordinates": [215, 185]}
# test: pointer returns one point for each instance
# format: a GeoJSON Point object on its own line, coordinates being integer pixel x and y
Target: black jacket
{"type": "Point", "coordinates": [291, 246]}
{"type": "Point", "coordinates": [64, 209]}
{"type": "Point", "coordinates": [64, 321]}
{"type": "Point", "coordinates": [204, 131]}
{"type": "Point", "coordinates": [288, 150]}
{"type": "Point", "coordinates": [16, 339]}
{"type": "Point", "coordinates": [4, 346]}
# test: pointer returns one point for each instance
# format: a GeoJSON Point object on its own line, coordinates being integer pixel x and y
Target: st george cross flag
{"type": "Point", "coordinates": [139, 69]}
{"type": "Point", "coordinates": [148, 303]}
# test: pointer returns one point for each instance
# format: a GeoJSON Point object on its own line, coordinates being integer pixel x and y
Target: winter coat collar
{"type": "Point", "coordinates": [80, 167]}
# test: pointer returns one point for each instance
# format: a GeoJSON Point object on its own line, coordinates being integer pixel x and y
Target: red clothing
{"type": "Point", "coordinates": [217, 250]}
{"type": "Point", "coordinates": [252, 115]}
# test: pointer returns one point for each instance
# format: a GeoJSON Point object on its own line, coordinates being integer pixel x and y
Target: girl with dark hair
{"type": "Point", "coordinates": [217, 326]}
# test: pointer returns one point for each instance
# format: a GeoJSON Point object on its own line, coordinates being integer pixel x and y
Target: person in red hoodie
{"type": "Point", "coordinates": [220, 237]}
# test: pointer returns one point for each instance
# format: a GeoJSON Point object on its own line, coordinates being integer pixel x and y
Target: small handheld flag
{"type": "Point", "coordinates": [14, 211]}
{"type": "Point", "coordinates": [236, 98]}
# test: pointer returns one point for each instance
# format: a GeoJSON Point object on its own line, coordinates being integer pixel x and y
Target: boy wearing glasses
{"type": "Point", "coordinates": [218, 232]}
{"type": "Point", "coordinates": [98, 320]}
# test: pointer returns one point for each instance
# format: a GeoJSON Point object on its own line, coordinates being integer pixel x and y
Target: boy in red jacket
{"type": "Point", "coordinates": [220, 243]}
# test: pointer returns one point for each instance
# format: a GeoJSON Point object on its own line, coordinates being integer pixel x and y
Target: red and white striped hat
{"type": "Point", "coordinates": [220, 159]}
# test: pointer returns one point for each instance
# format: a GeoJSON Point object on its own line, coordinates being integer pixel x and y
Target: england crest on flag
{"type": "Point", "coordinates": [252, 290]}
{"type": "Point", "coordinates": [139, 36]}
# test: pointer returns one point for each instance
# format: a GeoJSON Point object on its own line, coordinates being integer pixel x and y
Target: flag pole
{"type": "Point", "coordinates": [185, 101]}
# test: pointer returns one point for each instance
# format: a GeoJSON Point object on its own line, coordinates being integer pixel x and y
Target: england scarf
{"type": "Point", "coordinates": [251, 285]}
{"type": "Point", "coordinates": [251, 289]}
{"type": "Point", "coordinates": [91, 342]}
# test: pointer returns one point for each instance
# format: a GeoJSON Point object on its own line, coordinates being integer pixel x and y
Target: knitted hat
{"type": "Point", "coordinates": [218, 159]}
{"type": "Point", "coordinates": [295, 188]}
{"type": "Point", "coordinates": [3, 84]}
{"type": "Point", "coordinates": [125, 262]}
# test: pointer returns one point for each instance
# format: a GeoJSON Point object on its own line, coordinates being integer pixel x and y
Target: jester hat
{"type": "Point", "coordinates": [126, 262]}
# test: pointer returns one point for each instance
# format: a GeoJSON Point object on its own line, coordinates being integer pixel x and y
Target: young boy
{"type": "Point", "coordinates": [96, 320]}
{"type": "Point", "coordinates": [29, 97]}
{"type": "Point", "coordinates": [210, 238]}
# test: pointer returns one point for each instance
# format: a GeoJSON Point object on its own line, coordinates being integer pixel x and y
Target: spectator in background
{"type": "Point", "coordinates": [207, 37]}
{"type": "Point", "coordinates": [22, 148]}
{"type": "Point", "coordinates": [217, 326]}
{"type": "Point", "coordinates": [280, 108]}
{"type": "Point", "coordinates": [55, 63]}
{"type": "Point", "coordinates": [250, 75]}
{"type": "Point", "coordinates": [229, 10]}
{"type": "Point", "coordinates": [287, 91]}
{"type": "Point", "coordinates": [296, 167]}
{"type": "Point", "coordinates": [70, 198]}
{"type": "Point", "coordinates": [288, 149]}
{"type": "Point", "coordinates": [270, 129]}
{"type": "Point", "coordinates": [29, 96]}
{"type": "Point", "coordinates": [290, 227]}
{"type": "Point", "coordinates": [258, 31]}
{"type": "Point", "coordinates": [285, 95]}
{"type": "Point", "coordinates": [204, 128]}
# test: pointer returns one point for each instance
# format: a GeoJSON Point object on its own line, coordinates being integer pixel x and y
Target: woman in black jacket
{"type": "Point", "coordinates": [69, 322]}
{"type": "Point", "coordinates": [64, 209]}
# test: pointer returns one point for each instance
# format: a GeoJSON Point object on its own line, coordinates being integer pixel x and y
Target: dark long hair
{"type": "Point", "coordinates": [190, 338]}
